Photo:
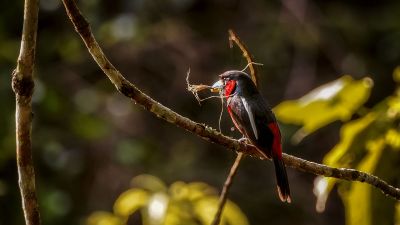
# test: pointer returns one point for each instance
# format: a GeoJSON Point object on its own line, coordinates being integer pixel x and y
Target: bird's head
{"type": "Point", "coordinates": [234, 82]}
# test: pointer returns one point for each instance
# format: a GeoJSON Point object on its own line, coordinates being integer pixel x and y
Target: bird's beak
{"type": "Point", "coordinates": [217, 86]}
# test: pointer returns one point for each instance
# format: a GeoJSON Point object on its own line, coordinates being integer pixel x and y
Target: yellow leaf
{"type": "Point", "coordinates": [392, 138]}
{"type": "Point", "coordinates": [348, 133]}
{"type": "Point", "coordinates": [179, 190]}
{"type": "Point", "coordinates": [130, 201]}
{"type": "Point", "coordinates": [342, 155]}
{"type": "Point", "coordinates": [396, 74]}
{"type": "Point", "coordinates": [183, 204]}
{"type": "Point", "coordinates": [394, 106]}
{"type": "Point", "coordinates": [233, 215]}
{"type": "Point", "coordinates": [179, 214]}
{"type": "Point", "coordinates": [198, 190]}
{"type": "Point", "coordinates": [397, 214]}
{"type": "Point", "coordinates": [357, 200]}
{"type": "Point", "coordinates": [149, 182]}
{"type": "Point", "coordinates": [103, 218]}
{"type": "Point", "coordinates": [337, 100]}
{"type": "Point", "coordinates": [206, 208]}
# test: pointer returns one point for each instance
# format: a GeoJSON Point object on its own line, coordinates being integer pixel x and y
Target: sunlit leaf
{"type": "Point", "coordinates": [179, 190]}
{"type": "Point", "coordinates": [130, 201]}
{"type": "Point", "coordinates": [233, 215]}
{"type": "Point", "coordinates": [322, 188]}
{"type": "Point", "coordinates": [103, 218]}
{"type": "Point", "coordinates": [337, 100]}
{"type": "Point", "coordinates": [149, 182]}
{"type": "Point", "coordinates": [180, 213]}
{"type": "Point", "coordinates": [352, 139]}
{"type": "Point", "coordinates": [392, 138]}
{"type": "Point", "coordinates": [198, 190]}
{"type": "Point", "coordinates": [394, 106]}
{"type": "Point", "coordinates": [349, 134]}
{"type": "Point", "coordinates": [396, 74]}
{"type": "Point", "coordinates": [206, 208]}
{"type": "Point", "coordinates": [157, 208]}
{"type": "Point", "coordinates": [357, 204]}
{"type": "Point", "coordinates": [397, 214]}
{"type": "Point", "coordinates": [182, 204]}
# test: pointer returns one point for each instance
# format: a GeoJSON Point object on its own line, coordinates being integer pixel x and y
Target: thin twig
{"type": "Point", "coordinates": [205, 132]}
{"type": "Point", "coordinates": [246, 54]}
{"type": "Point", "coordinates": [222, 111]}
{"type": "Point", "coordinates": [22, 84]}
{"type": "Point", "coordinates": [225, 189]}
{"type": "Point", "coordinates": [193, 88]}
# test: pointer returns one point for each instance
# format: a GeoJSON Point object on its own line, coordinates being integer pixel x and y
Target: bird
{"type": "Point", "coordinates": [253, 117]}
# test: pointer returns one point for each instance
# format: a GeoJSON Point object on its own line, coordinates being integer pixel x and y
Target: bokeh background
{"type": "Point", "coordinates": [90, 141]}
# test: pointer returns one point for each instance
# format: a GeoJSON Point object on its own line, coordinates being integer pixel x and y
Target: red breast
{"type": "Point", "coordinates": [230, 87]}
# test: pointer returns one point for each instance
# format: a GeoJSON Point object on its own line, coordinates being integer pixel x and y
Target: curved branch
{"type": "Point", "coordinates": [22, 84]}
{"type": "Point", "coordinates": [202, 130]}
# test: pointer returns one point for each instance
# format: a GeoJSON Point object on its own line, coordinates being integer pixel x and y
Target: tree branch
{"type": "Point", "coordinates": [22, 84]}
{"type": "Point", "coordinates": [225, 189]}
{"type": "Point", "coordinates": [205, 132]}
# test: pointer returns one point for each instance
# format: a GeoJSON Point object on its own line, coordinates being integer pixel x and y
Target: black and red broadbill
{"type": "Point", "coordinates": [253, 117]}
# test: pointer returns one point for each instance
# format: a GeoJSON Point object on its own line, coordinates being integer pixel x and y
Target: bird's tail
{"type": "Point", "coordinates": [282, 180]}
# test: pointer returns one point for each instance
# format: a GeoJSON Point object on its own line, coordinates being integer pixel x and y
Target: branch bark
{"type": "Point", "coordinates": [22, 84]}
{"type": "Point", "coordinates": [203, 131]}
{"type": "Point", "coordinates": [225, 190]}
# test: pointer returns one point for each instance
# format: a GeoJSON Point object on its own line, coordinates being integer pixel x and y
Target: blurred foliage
{"type": "Point", "coordinates": [336, 100]}
{"type": "Point", "coordinates": [370, 143]}
{"type": "Point", "coordinates": [180, 204]}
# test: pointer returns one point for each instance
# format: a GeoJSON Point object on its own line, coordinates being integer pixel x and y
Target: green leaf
{"type": "Point", "coordinates": [89, 127]}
